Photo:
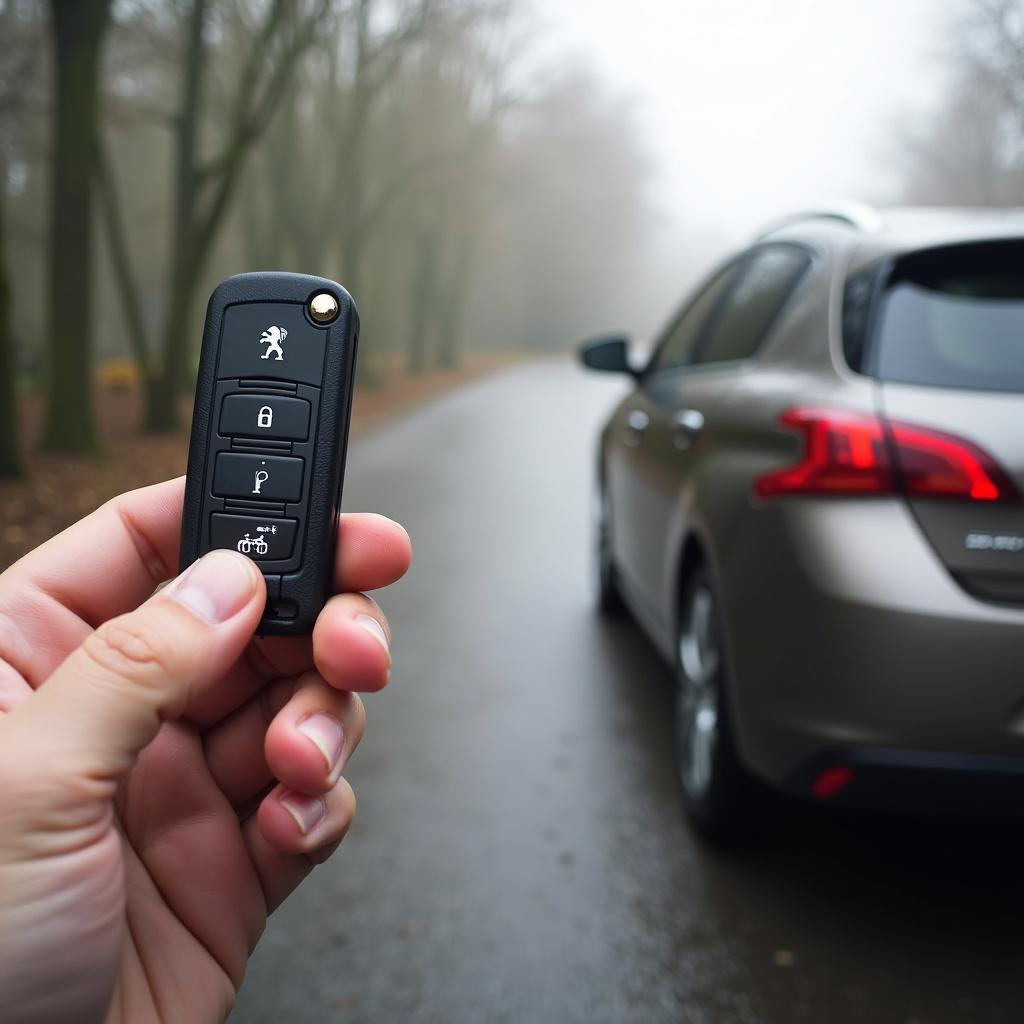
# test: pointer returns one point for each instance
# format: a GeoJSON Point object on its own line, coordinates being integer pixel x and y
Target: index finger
{"type": "Point", "coordinates": [109, 562]}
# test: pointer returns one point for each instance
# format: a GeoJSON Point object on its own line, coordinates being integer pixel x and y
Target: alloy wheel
{"type": "Point", "coordinates": [697, 707]}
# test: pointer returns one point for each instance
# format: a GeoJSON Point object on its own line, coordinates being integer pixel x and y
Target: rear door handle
{"type": "Point", "coordinates": [688, 424]}
{"type": "Point", "coordinates": [636, 423]}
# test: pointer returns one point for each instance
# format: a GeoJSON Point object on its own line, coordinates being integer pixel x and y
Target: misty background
{"type": "Point", "coordinates": [482, 174]}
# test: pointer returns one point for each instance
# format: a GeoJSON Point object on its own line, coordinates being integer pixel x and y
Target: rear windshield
{"type": "Point", "coordinates": [954, 318]}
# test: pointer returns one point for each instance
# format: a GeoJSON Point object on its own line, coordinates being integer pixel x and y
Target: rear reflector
{"type": "Point", "coordinates": [848, 453]}
{"type": "Point", "coordinates": [832, 781]}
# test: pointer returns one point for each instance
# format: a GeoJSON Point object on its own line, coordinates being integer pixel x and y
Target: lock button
{"type": "Point", "coordinates": [271, 416]}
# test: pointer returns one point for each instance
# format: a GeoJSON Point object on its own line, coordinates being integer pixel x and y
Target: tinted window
{"type": "Point", "coordinates": [766, 281]}
{"type": "Point", "coordinates": [677, 348]}
{"type": "Point", "coordinates": [955, 318]}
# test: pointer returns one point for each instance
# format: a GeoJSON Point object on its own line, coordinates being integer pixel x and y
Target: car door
{"type": "Point", "coordinates": [690, 408]}
{"type": "Point", "coordinates": [632, 489]}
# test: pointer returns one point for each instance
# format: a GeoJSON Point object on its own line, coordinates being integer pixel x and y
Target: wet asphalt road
{"type": "Point", "coordinates": [519, 856]}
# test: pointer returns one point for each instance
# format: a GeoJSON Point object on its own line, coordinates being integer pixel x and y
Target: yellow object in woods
{"type": "Point", "coordinates": [119, 374]}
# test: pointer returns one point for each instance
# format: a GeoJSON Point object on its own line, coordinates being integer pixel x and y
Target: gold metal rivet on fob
{"type": "Point", "coordinates": [323, 307]}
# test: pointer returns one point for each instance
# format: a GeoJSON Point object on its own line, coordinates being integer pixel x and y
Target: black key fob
{"type": "Point", "coordinates": [267, 454]}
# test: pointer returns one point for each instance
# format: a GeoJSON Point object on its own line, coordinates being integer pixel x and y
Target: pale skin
{"type": "Point", "coordinates": [166, 780]}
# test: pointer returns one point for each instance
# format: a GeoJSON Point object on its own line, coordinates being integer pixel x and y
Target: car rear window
{"type": "Point", "coordinates": [954, 318]}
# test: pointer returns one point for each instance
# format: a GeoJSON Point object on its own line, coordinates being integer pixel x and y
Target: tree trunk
{"type": "Point", "coordinates": [203, 194]}
{"type": "Point", "coordinates": [449, 340]}
{"type": "Point", "coordinates": [78, 29]}
{"type": "Point", "coordinates": [352, 236]}
{"type": "Point", "coordinates": [453, 304]}
{"type": "Point", "coordinates": [424, 297]}
{"type": "Point", "coordinates": [167, 384]}
{"type": "Point", "coordinates": [10, 454]}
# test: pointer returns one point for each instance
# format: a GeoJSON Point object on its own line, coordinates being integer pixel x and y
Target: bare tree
{"type": "Point", "coordinates": [970, 151]}
{"type": "Point", "coordinates": [18, 86]}
{"type": "Point", "coordinates": [960, 157]}
{"type": "Point", "coordinates": [78, 31]}
{"type": "Point", "coordinates": [288, 202]}
{"type": "Point", "coordinates": [990, 43]}
{"type": "Point", "coordinates": [205, 185]}
{"type": "Point", "coordinates": [361, 154]}
{"type": "Point", "coordinates": [377, 58]}
{"type": "Point", "coordinates": [437, 124]}
{"type": "Point", "coordinates": [412, 172]}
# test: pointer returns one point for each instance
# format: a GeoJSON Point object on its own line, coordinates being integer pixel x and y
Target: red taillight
{"type": "Point", "coordinates": [844, 453]}
{"type": "Point", "coordinates": [832, 781]}
{"type": "Point", "coordinates": [849, 453]}
{"type": "Point", "coordinates": [938, 465]}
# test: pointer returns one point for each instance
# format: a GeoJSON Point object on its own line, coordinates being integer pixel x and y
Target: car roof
{"type": "Point", "coordinates": [868, 234]}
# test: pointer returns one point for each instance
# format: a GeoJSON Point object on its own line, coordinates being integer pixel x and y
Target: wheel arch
{"type": "Point", "coordinates": [693, 553]}
{"type": "Point", "coordinates": [696, 551]}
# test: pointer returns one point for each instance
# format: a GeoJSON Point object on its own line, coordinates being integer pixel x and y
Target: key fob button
{"type": "Point", "coordinates": [283, 419]}
{"type": "Point", "coordinates": [271, 340]}
{"type": "Point", "coordinates": [263, 540]}
{"type": "Point", "coordinates": [257, 477]}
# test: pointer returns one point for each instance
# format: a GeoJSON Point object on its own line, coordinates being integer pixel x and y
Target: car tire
{"type": "Point", "coordinates": [718, 794]}
{"type": "Point", "coordinates": [607, 596]}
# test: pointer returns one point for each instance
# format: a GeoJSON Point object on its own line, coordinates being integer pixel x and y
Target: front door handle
{"type": "Point", "coordinates": [636, 423]}
{"type": "Point", "coordinates": [688, 424]}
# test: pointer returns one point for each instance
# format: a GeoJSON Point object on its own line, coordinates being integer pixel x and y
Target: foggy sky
{"type": "Point", "coordinates": [753, 109]}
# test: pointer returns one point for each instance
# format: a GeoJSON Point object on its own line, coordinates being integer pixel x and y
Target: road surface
{"type": "Point", "coordinates": [519, 855]}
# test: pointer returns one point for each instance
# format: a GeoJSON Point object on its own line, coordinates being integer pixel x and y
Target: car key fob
{"type": "Point", "coordinates": [269, 432]}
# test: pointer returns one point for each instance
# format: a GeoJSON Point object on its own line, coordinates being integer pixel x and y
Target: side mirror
{"type": "Point", "coordinates": [608, 354]}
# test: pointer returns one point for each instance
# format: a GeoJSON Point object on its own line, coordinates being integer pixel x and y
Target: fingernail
{"type": "Point", "coordinates": [216, 587]}
{"type": "Point", "coordinates": [325, 731]}
{"type": "Point", "coordinates": [308, 811]}
{"type": "Point", "coordinates": [375, 629]}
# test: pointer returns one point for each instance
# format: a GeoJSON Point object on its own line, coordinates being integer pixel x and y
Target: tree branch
{"type": "Point", "coordinates": [253, 112]}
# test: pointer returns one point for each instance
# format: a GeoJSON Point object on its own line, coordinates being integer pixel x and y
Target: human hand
{"type": "Point", "coordinates": [166, 780]}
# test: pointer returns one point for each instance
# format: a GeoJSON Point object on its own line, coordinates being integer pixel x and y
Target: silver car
{"type": "Point", "coordinates": [812, 503]}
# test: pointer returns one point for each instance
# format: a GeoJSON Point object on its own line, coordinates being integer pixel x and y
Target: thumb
{"type": "Point", "coordinates": [94, 715]}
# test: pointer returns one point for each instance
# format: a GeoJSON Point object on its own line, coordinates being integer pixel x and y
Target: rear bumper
{"type": "Point", "coordinates": [925, 781]}
{"type": "Point", "coordinates": [847, 634]}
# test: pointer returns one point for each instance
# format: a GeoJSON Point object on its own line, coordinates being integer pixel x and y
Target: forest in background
{"type": "Point", "coordinates": [409, 148]}
{"type": "Point", "coordinates": [470, 194]}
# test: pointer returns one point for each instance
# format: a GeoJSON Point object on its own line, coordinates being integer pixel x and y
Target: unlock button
{"type": "Point", "coordinates": [282, 419]}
